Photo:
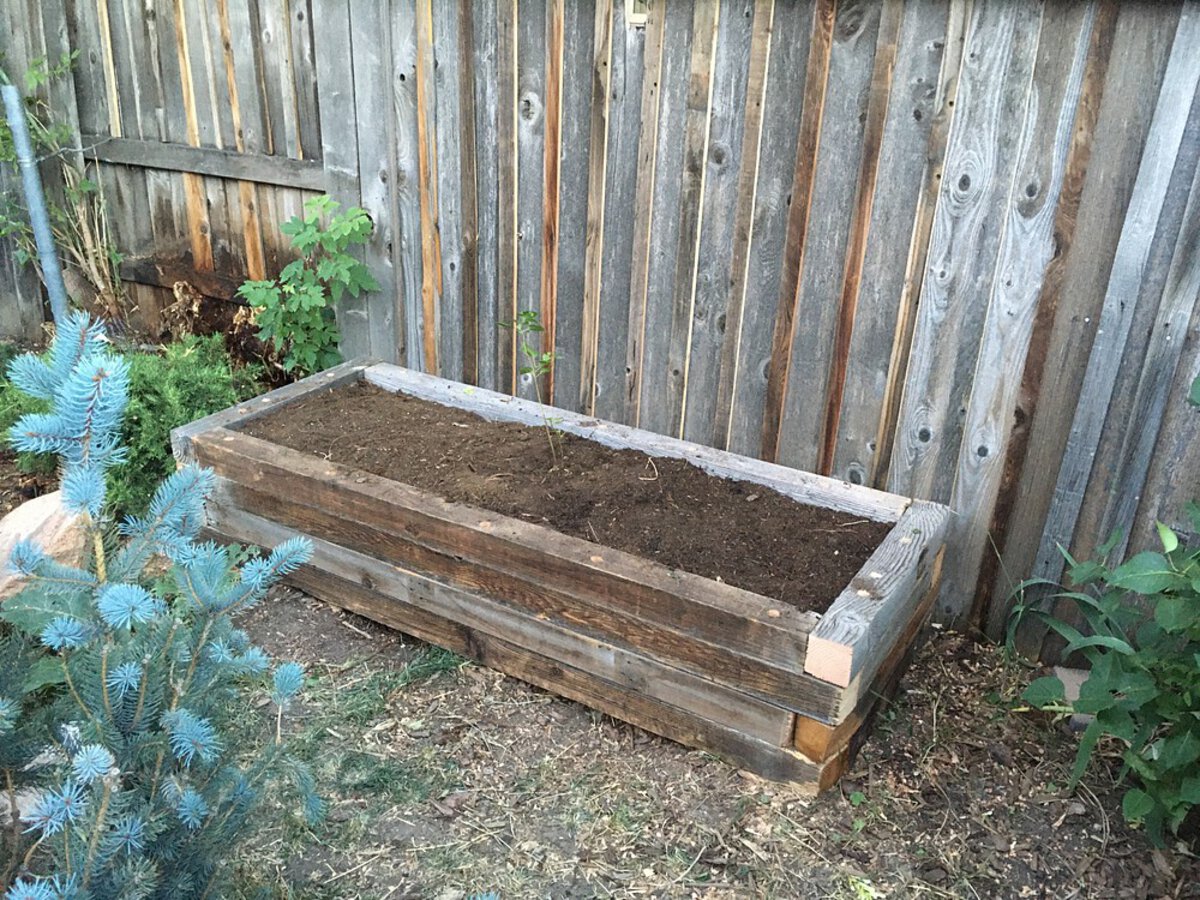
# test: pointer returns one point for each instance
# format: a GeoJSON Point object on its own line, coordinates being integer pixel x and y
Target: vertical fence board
{"type": "Point", "coordinates": [624, 122]}
{"type": "Point", "coordinates": [485, 62]}
{"type": "Point", "coordinates": [783, 111]}
{"type": "Point", "coordinates": [993, 89]}
{"type": "Point", "coordinates": [742, 44]}
{"type": "Point", "coordinates": [663, 210]}
{"type": "Point", "coordinates": [1129, 265]}
{"type": "Point", "coordinates": [1161, 311]}
{"type": "Point", "coordinates": [573, 167]}
{"type": "Point", "coordinates": [507, 196]}
{"type": "Point", "coordinates": [800, 204]}
{"type": "Point", "coordinates": [663, 391]}
{"type": "Point", "coordinates": [405, 181]}
{"type": "Point", "coordinates": [371, 49]}
{"type": "Point", "coordinates": [1025, 251]}
{"type": "Point", "coordinates": [451, 217]}
{"type": "Point", "coordinates": [902, 160]}
{"type": "Point", "coordinates": [845, 113]}
{"type": "Point", "coordinates": [1070, 304]}
{"type": "Point", "coordinates": [530, 163]}
{"type": "Point", "coordinates": [334, 72]}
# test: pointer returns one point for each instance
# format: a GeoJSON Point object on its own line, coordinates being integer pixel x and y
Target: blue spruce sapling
{"type": "Point", "coordinates": [122, 696]}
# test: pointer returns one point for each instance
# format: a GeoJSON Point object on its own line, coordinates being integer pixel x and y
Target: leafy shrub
{"type": "Point", "coordinates": [1144, 684]}
{"type": "Point", "coordinates": [119, 695]}
{"type": "Point", "coordinates": [295, 313]}
{"type": "Point", "coordinates": [193, 377]}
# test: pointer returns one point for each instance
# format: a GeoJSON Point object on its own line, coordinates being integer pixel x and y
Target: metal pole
{"type": "Point", "coordinates": [35, 200]}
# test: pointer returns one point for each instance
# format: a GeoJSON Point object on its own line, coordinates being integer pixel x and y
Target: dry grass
{"type": "Point", "coordinates": [447, 780]}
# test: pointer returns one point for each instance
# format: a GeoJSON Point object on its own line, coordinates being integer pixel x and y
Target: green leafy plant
{"type": "Point", "coordinates": [538, 364]}
{"type": "Point", "coordinates": [1143, 688]}
{"type": "Point", "coordinates": [191, 378]}
{"type": "Point", "coordinates": [295, 312]}
{"type": "Point", "coordinates": [75, 203]}
{"type": "Point", "coordinates": [124, 695]}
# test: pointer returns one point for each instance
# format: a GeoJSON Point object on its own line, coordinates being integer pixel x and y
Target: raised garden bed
{"type": "Point", "coordinates": [781, 685]}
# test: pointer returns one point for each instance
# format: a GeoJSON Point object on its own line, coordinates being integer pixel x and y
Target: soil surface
{"type": "Point", "coordinates": [662, 509]}
{"type": "Point", "coordinates": [16, 486]}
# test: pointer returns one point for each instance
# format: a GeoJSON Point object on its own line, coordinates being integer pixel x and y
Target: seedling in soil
{"type": "Point", "coordinates": [540, 362]}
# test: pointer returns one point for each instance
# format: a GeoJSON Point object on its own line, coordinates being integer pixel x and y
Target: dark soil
{"type": "Point", "coordinates": [662, 509]}
{"type": "Point", "coordinates": [16, 486]}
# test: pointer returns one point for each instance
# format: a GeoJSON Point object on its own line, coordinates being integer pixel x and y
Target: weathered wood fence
{"type": "Point", "coordinates": [946, 248]}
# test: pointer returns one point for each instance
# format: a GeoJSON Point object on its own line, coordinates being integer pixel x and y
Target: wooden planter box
{"type": "Point", "coordinates": [782, 693]}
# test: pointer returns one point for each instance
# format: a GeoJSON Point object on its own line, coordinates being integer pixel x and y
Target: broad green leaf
{"type": "Point", "coordinates": [1175, 614]}
{"type": "Point", "coordinates": [1044, 691]}
{"type": "Point", "coordinates": [1136, 805]}
{"type": "Point", "coordinates": [46, 671]}
{"type": "Point", "coordinates": [1194, 393]}
{"type": "Point", "coordinates": [1169, 540]}
{"type": "Point", "coordinates": [32, 610]}
{"type": "Point", "coordinates": [1146, 573]}
{"type": "Point", "coordinates": [1178, 750]}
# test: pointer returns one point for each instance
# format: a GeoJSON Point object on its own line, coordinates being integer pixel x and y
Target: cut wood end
{"type": "Point", "coordinates": [829, 660]}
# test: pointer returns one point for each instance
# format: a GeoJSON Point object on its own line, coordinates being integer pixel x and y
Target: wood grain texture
{"type": "Point", "coordinates": [647, 159]}
{"type": "Point", "coordinates": [468, 189]}
{"type": "Point", "coordinates": [703, 626]}
{"type": "Point", "coordinates": [669, 385]}
{"type": "Point", "coordinates": [904, 156]}
{"type": "Point", "coordinates": [593, 253]}
{"type": "Point", "coordinates": [743, 226]}
{"type": "Point", "coordinates": [803, 179]}
{"type": "Point", "coordinates": [579, 19]}
{"type": "Point", "coordinates": [743, 34]}
{"type": "Point", "coordinates": [1121, 106]}
{"type": "Point", "coordinates": [532, 51]}
{"type": "Point", "coordinates": [613, 698]}
{"type": "Point", "coordinates": [621, 163]}
{"type": "Point", "coordinates": [474, 608]}
{"type": "Point", "coordinates": [551, 194]}
{"type": "Point", "coordinates": [334, 75]}
{"type": "Point", "coordinates": [371, 45]}
{"type": "Point", "coordinates": [428, 234]}
{"type": "Point", "coordinates": [783, 107]}
{"type": "Point", "coordinates": [852, 638]}
{"type": "Point", "coordinates": [486, 87]}
{"type": "Point", "coordinates": [1116, 316]}
{"type": "Point", "coordinates": [841, 148]}
{"type": "Point", "coordinates": [993, 89]}
{"type": "Point", "coordinates": [875, 118]}
{"type": "Point", "coordinates": [455, 221]}
{"type": "Point", "coordinates": [1163, 306]}
{"type": "Point", "coordinates": [507, 230]}
{"type": "Point", "coordinates": [663, 213]}
{"type": "Point", "coordinates": [407, 245]}
{"type": "Point", "coordinates": [1026, 250]}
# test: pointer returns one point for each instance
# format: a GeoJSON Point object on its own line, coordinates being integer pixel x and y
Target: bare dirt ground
{"type": "Point", "coordinates": [446, 780]}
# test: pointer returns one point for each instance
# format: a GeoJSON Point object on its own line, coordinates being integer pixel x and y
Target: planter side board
{"type": "Point", "coordinates": [782, 693]}
{"type": "Point", "coordinates": [717, 629]}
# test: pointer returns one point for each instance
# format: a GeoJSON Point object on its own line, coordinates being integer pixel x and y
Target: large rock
{"type": "Point", "coordinates": [43, 520]}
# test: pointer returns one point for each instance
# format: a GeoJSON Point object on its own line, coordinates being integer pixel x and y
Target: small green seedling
{"type": "Point", "coordinates": [539, 364]}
